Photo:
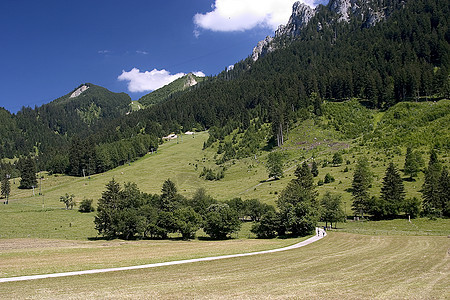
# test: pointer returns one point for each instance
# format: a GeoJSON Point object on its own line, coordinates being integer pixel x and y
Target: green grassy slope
{"type": "Point", "coordinates": [182, 161]}
{"type": "Point", "coordinates": [166, 91]}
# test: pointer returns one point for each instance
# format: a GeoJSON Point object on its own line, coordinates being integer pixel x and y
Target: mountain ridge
{"type": "Point", "coordinates": [163, 93]}
{"type": "Point", "coordinates": [369, 13]}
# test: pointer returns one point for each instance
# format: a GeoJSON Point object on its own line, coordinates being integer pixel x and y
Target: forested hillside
{"type": "Point", "coordinates": [168, 91]}
{"type": "Point", "coordinates": [404, 57]}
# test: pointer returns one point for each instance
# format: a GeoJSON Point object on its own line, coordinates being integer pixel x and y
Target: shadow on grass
{"type": "Point", "coordinates": [269, 180]}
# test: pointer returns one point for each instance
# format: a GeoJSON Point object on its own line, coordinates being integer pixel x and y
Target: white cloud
{"type": "Point", "coordinates": [199, 74]}
{"type": "Point", "coordinates": [142, 52]}
{"type": "Point", "coordinates": [103, 51]}
{"type": "Point", "coordinates": [139, 81]}
{"type": "Point", "coordinates": [240, 15]}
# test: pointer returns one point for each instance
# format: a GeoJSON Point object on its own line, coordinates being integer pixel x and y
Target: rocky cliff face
{"type": "Point", "coordinates": [369, 12]}
{"type": "Point", "coordinates": [78, 91]}
{"type": "Point", "coordinates": [190, 81]}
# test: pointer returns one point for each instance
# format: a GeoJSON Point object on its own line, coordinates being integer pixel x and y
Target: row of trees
{"type": "Point", "coordinates": [435, 190]}
{"type": "Point", "coordinates": [128, 213]}
{"type": "Point", "coordinates": [84, 157]}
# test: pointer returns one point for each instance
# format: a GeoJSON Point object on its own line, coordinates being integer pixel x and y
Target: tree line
{"type": "Point", "coordinates": [435, 193]}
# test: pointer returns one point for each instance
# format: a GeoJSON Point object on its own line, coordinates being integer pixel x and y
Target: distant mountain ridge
{"type": "Point", "coordinates": [168, 90]}
{"type": "Point", "coordinates": [368, 12]}
{"type": "Point", "coordinates": [53, 124]}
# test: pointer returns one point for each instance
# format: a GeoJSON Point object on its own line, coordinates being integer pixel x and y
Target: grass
{"type": "Point", "coordinates": [417, 227]}
{"type": "Point", "coordinates": [43, 216]}
{"type": "Point", "coordinates": [342, 265]}
{"type": "Point", "coordinates": [20, 257]}
{"type": "Point", "coordinates": [384, 259]}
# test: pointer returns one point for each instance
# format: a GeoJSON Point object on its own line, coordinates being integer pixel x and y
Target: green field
{"type": "Point", "coordinates": [43, 216]}
{"type": "Point", "coordinates": [365, 259]}
{"type": "Point", "coordinates": [342, 265]}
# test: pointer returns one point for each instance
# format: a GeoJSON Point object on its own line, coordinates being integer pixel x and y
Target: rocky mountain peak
{"type": "Point", "coordinates": [78, 91]}
{"type": "Point", "coordinates": [301, 15]}
{"type": "Point", "coordinates": [369, 12]}
{"type": "Point", "coordinates": [190, 80]}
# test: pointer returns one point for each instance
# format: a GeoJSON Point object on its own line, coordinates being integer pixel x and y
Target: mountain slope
{"type": "Point", "coordinates": [168, 90]}
{"type": "Point", "coordinates": [47, 128]}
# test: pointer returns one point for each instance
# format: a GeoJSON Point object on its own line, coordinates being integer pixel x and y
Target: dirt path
{"type": "Point", "coordinates": [320, 233]}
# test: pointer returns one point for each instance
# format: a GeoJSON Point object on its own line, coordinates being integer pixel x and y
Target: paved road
{"type": "Point", "coordinates": [317, 237]}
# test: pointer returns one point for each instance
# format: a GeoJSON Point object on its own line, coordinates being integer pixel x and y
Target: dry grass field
{"type": "Point", "coordinates": [341, 266]}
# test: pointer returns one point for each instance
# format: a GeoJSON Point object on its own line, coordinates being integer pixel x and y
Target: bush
{"type": "Point", "coordinates": [86, 206]}
{"type": "Point", "coordinates": [328, 178]}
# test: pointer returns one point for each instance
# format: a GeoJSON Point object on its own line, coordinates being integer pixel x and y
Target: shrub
{"type": "Point", "coordinates": [328, 178]}
{"type": "Point", "coordinates": [86, 206]}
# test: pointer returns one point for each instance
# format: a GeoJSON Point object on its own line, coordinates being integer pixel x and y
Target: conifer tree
{"type": "Point", "coordinates": [6, 187]}
{"type": "Point", "coordinates": [107, 210]}
{"type": "Point", "coordinates": [392, 190]}
{"type": "Point", "coordinates": [298, 205]}
{"type": "Point", "coordinates": [413, 163]}
{"type": "Point", "coordinates": [170, 199]}
{"type": "Point", "coordinates": [431, 203]}
{"type": "Point", "coordinates": [28, 174]}
{"type": "Point", "coordinates": [275, 165]}
{"type": "Point", "coordinates": [314, 169]}
{"type": "Point", "coordinates": [362, 180]}
{"type": "Point", "coordinates": [444, 192]}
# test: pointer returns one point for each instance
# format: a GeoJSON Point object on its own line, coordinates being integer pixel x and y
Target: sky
{"type": "Point", "coordinates": [50, 47]}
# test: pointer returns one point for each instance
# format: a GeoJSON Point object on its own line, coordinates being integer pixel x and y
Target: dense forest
{"type": "Point", "coordinates": [403, 58]}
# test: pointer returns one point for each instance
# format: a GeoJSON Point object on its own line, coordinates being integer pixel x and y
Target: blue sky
{"type": "Point", "coordinates": [49, 47]}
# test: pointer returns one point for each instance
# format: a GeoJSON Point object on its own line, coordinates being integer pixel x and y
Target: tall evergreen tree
{"type": "Point", "coordinates": [362, 180]}
{"type": "Point", "coordinates": [107, 210]}
{"type": "Point", "coordinates": [27, 173]}
{"type": "Point", "coordinates": [431, 204]}
{"type": "Point", "coordinates": [413, 163]}
{"type": "Point", "coordinates": [314, 169]}
{"type": "Point", "coordinates": [444, 192]}
{"type": "Point", "coordinates": [6, 187]}
{"type": "Point", "coordinates": [392, 191]}
{"type": "Point", "coordinates": [170, 199]}
{"type": "Point", "coordinates": [275, 165]}
{"type": "Point", "coordinates": [298, 205]}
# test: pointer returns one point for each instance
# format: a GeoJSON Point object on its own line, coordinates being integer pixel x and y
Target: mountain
{"type": "Point", "coordinates": [165, 92]}
{"type": "Point", "coordinates": [366, 12]}
{"type": "Point", "coordinates": [335, 52]}
{"type": "Point", "coordinates": [90, 103]}
{"type": "Point", "coordinates": [50, 126]}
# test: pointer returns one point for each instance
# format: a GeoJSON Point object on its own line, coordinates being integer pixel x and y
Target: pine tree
{"type": "Point", "coordinates": [275, 165]}
{"type": "Point", "coordinates": [444, 192]}
{"type": "Point", "coordinates": [107, 210]}
{"type": "Point", "coordinates": [314, 169]}
{"type": "Point", "coordinates": [431, 203]}
{"type": "Point", "coordinates": [298, 205]}
{"type": "Point", "coordinates": [362, 180]}
{"type": "Point", "coordinates": [6, 187]}
{"type": "Point", "coordinates": [392, 190]}
{"type": "Point", "coordinates": [28, 174]}
{"type": "Point", "coordinates": [413, 163]}
{"type": "Point", "coordinates": [169, 199]}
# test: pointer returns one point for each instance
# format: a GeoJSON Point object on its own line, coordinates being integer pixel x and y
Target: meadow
{"type": "Point", "coordinates": [342, 265]}
{"type": "Point", "coordinates": [358, 259]}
